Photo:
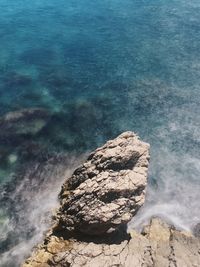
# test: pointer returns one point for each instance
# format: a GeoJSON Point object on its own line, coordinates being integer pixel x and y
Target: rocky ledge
{"type": "Point", "coordinates": [97, 202]}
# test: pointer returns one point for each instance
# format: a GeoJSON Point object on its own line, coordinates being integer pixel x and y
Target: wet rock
{"type": "Point", "coordinates": [23, 122]}
{"type": "Point", "coordinates": [108, 189]}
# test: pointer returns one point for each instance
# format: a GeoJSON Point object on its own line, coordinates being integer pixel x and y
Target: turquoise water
{"type": "Point", "coordinates": [100, 68]}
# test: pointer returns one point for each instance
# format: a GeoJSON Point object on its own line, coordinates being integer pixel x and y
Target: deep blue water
{"type": "Point", "coordinates": [103, 67]}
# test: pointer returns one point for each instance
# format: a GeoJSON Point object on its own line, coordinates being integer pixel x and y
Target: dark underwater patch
{"type": "Point", "coordinates": [15, 79]}
{"type": "Point", "coordinates": [80, 51]}
{"type": "Point", "coordinates": [38, 56]}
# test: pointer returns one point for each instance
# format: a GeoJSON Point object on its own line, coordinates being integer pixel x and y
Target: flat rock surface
{"type": "Point", "coordinates": [160, 245]}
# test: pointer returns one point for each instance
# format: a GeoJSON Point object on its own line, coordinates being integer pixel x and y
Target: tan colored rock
{"type": "Point", "coordinates": [40, 258]}
{"type": "Point", "coordinates": [56, 245]}
{"type": "Point", "coordinates": [106, 191]}
{"type": "Point", "coordinates": [159, 245]}
{"type": "Point", "coordinates": [102, 195]}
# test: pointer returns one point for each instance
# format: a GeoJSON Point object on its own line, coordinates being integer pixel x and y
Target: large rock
{"type": "Point", "coordinates": [102, 195]}
{"type": "Point", "coordinates": [108, 189]}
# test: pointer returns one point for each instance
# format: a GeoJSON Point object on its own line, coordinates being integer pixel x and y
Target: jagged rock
{"type": "Point", "coordinates": [23, 122]}
{"type": "Point", "coordinates": [159, 245]}
{"type": "Point", "coordinates": [108, 189]}
{"type": "Point", "coordinates": [105, 192]}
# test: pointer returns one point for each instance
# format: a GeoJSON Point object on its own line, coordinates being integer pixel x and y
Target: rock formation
{"type": "Point", "coordinates": [97, 202]}
{"type": "Point", "coordinates": [159, 245]}
{"type": "Point", "coordinates": [108, 189]}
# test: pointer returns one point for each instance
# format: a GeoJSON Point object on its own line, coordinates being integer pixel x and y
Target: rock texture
{"type": "Point", "coordinates": [97, 202]}
{"type": "Point", "coordinates": [108, 189]}
{"type": "Point", "coordinates": [159, 245]}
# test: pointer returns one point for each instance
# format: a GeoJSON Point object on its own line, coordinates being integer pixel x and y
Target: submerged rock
{"type": "Point", "coordinates": [108, 189]}
{"type": "Point", "coordinates": [15, 79]}
{"type": "Point", "coordinates": [23, 122]}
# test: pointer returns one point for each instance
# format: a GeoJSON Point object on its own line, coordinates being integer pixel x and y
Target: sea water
{"type": "Point", "coordinates": [103, 67]}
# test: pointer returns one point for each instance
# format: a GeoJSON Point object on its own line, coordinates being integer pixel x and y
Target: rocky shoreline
{"type": "Point", "coordinates": [97, 202]}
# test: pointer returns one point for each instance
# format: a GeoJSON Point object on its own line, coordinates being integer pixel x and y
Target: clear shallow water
{"type": "Point", "coordinates": [103, 67]}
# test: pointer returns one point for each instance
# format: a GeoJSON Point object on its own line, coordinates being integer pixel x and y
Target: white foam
{"type": "Point", "coordinates": [39, 210]}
